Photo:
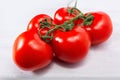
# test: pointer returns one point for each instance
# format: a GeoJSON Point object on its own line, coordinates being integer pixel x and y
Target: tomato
{"type": "Point", "coordinates": [100, 29]}
{"type": "Point", "coordinates": [71, 46]}
{"type": "Point", "coordinates": [30, 52]}
{"type": "Point", "coordinates": [35, 24]}
{"type": "Point", "coordinates": [62, 15]}
{"type": "Point", "coordinates": [41, 28]}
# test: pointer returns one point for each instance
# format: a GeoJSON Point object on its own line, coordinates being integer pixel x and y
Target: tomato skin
{"type": "Point", "coordinates": [34, 23]}
{"type": "Point", "coordinates": [101, 28]}
{"type": "Point", "coordinates": [62, 15]}
{"type": "Point", "coordinates": [71, 46]}
{"type": "Point", "coordinates": [30, 52]}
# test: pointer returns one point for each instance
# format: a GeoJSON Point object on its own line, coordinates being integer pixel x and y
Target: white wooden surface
{"type": "Point", "coordinates": [103, 61]}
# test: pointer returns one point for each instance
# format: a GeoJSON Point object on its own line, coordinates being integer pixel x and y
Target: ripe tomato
{"type": "Point", "coordinates": [30, 52]}
{"type": "Point", "coordinates": [71, 46]}
{"type": "Point", "coordinates": [100, 29]}
{"type": "Point", "coordinates": [35, 24]}
{"type": "Point", "coordinates": [63, 14]}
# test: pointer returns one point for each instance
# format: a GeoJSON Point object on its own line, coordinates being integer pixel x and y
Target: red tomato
{"type": "Point", "coordinates": [71, 46]}
{"type": "Point", "coordinates": [35, 25]}
{"type": "Point", "coordinates": [101, 28]}
{"type": "Point", "coordinates": [30, 52]}
{"type": "Point", "coordinates": [62, 15]}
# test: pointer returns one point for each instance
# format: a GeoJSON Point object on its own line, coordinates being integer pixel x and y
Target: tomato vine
{"type": "Point", "coordinates": [66, 26]}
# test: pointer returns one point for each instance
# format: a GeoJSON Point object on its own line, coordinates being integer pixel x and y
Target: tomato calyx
{"type": "Point", "coordinates": [73, 10]}
{"type": "Point", "coordinates": [66, 26]}
{"type": "Point", "coordinates": [88, 20]}
{"type": "Point", "coordinates": [45, 23]}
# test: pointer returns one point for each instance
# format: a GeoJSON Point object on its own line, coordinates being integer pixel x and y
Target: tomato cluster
{"type": "Point", "coordinates": [67, 37]}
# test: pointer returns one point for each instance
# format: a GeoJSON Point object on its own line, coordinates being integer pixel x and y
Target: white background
{"type": "Point", "coordinates": [102, 61]}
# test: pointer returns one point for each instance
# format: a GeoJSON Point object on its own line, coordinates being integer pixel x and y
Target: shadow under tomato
{"type": "Point", "coordinates": [100, 46]}
{"type": "Point", "coordinates": [68, 65]}
{"type": "Point", "coordinates": [43, 70]}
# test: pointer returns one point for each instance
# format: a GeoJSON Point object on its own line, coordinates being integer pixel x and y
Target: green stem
{"type": "Point", "coordinates": [52, 30]}
{"type": "Point", "coordinates": [75, 18]}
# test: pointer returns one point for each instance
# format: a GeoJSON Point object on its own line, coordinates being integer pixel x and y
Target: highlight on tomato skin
{"type": "Point", "coordinates": [30, 53]}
